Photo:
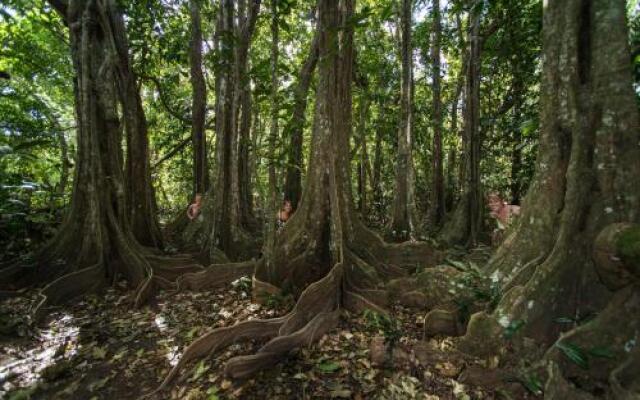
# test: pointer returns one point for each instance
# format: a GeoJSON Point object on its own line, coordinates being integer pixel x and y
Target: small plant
{"type": "Point", "coordinates": [532, 383]}
{"type": "Point", "coordinates": [513, 328]}
{"type": "Point", "coordinates": [574, 353]}
{"type": "Point", "coordinates": [387, 325]}
{"type": "Point", "coordinates": [277, 300]}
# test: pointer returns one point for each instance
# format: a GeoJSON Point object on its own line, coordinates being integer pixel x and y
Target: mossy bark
{"type": "Point", "coordinates": [587, 176]}
{"type": "Point", "coordinates": [95, 244]}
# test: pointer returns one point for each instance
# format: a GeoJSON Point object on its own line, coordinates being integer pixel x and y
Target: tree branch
{"type": "Point", "coordinates": [184, 143]}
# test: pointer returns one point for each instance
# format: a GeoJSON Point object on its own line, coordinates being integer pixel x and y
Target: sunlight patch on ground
{"type": "Point", "coordinates": [25, 363]}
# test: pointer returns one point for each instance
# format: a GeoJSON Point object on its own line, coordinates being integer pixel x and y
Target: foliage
{"type": "Point", "coordinates": [385, 324]}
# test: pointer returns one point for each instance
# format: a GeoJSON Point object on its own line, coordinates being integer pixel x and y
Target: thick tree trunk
{"type": "Point", "coordinates": [140, 196]}
{"type": "Point", "coordinates": [324, 253]}
{"type": "Point", "coordinates": [587, 178]}
{"type": "Point", "coordinates": [198, 103]}
{"type": "Point", "coordinates": [295, 127]}
{"type": "Point", "coordinates": [452, 167]}
{"type": "Point", "coordinates": [466, 224]}
{"type": "Point", "coordinates": [438, 192]}
{"type": "Point", "coordinates": [402, 223]}
{"type": "Point", "coordinates": [95, 244]}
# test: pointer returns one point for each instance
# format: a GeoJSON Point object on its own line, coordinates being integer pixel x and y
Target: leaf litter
{"type": "Point", "coordinates": [99, 347]}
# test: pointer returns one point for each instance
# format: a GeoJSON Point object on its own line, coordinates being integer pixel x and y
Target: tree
{"type": "Point", "coordinates": [140, 196]}
{"type": "Point", "coordinates": [295, 127]}
{"type": "Point", "coordinates": [199, 102]}
{"type": "Point", "coordinates": [224, 224]}
{"type": "Point", "coordinates": [96, 245]}
{"type": "Point", "coordinates": [403, 214]}
{"type": "Point", "coordinates": [438, 192]}
{"type": "Point", "coordinates": [324, 254]}
{"type": "Point", "coordinates": [586, 191]}
{"type": "Point", "coordinates": [244, 29]}
{"type": "Point", "coordinates": [466, 223]}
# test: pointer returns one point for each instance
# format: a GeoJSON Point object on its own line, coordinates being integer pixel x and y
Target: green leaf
{"type": "Point", "coordinates": [458, 264]}
{"type": "Point", "coordinates": [99, 353]}
{"type": "Point", "coordinates": [564, 320]}
{"type": "Point", "coordinates": [602, 352]}
{"type": "Point", "coordinates": [213, 393]}
{"type": "Point", "coordinates": [574, 353]}
{"type": "Point", "coordinates": [533, 384]}
{"type": "Point", "coordinates": [328, 367]}
{"type": "Point", "coordinates": [200, 369]}
{"type": "Point", "coordinates": [513, 328]}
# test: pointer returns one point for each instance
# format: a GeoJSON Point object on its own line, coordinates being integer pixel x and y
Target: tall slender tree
{"type": "Point", "coordinates": [437, 190]}
{"type": "Point", "coordinates": [295, 127]}
{"type": "Point", "coordinates": [466, 223]}
{"type": "Point", "coordinates": [198, 102]}
{"type": "Point", "coordinates": [245, 26]}
{"type": "Point", "coordinates": [403, 212]}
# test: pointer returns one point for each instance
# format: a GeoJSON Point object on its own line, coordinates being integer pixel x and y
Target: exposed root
{"type": "Point", "coordinates": [69, 286]}
{"type": "Point", "coordinates": [277, 348]}
{"type": "Point", "coordinates": [354, 284]}
{"type": "Point", "coordinates": [222, 337]}
{"type": "Point", "coordinates": [216, 275]}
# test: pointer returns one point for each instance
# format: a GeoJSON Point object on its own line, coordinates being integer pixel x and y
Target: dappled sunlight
{"type": "Point", "coordinates": [23, 364]}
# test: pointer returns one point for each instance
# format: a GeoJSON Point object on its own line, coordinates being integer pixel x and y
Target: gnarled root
{"type": "Point", "coordinates": [217, 275]}
{"type": "Point", "coordinates": [69, 286]}
{"type": "Point", "coordinates": [315, 313]}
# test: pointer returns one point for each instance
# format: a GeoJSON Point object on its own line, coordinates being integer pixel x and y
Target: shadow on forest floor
{"type": "Point", "coordinates": [100, 348]}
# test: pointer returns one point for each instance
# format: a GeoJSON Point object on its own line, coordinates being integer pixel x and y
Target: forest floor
{"type": "Point", "coordinates": [99, 347]}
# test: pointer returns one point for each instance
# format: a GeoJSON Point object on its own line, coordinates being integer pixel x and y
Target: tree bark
{"type": "Point", "coordinates": [295, 127]}
{"type": "Point", "coordinates": [140, 196]}
{"type": "Point", "coordinates": [272, 206]}
{"type": "Point", "coordinates": [465, 225]}
{"type": "Point", "coordinates": [247, 16]}
{"type": "Point", "coordinates": [402, 223]}
{"type": "Point", "coordinates": [198, 103]}
{"type": "Point", "coordinates": [587, 178]}
{"type": "Point", "coordinates": [438, 192]}
{"type": "Point", "coordinates": [95, 244]}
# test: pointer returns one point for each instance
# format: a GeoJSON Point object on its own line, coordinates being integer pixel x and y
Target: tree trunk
{"type": "Point", "coordinates": [222, 226]}
{"type": "Point", "coordinates": [402, 223]}
{"type": "Point", "coordinates": [363, 162]}
{"type": "Point", "coordinates": [272, 205]}
{"type": "Point", "coordinates": [139, 192]}
{"type": "Point", "coordinates": [587, 178]}
{"type": "Point", "coordinates": [95, 244]}
{"type": "Point", "coordinates": [198, 104]}
{"type": "Point", "coordinates": [295, 127]}
{"type": "Point", "coordinates": [466, 224]}
{"type": "Point", "coordinates": [324, 253]}
{"type": "Point", "coordinates": [247, 16]}
{"type": "Point", "coordinates": [376, 184]}
{"type": "Point", "coordinates": [437, 202]}
{"type": "Point", "coordinates": [452, 179]}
